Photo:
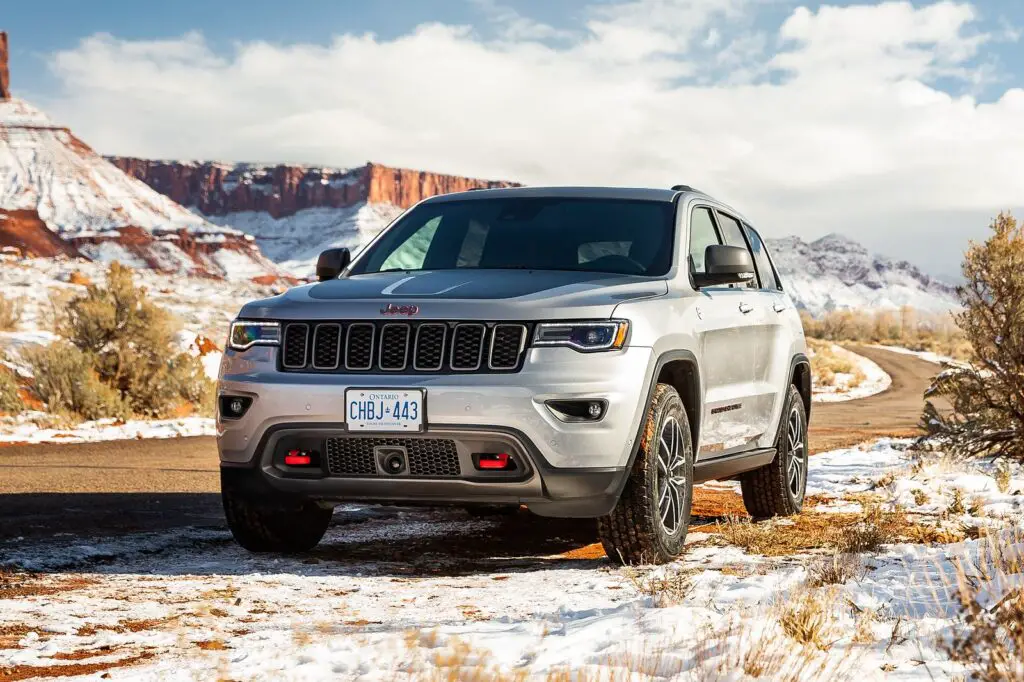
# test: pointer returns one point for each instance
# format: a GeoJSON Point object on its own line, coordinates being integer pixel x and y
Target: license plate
{"type": "Point", "coordinates": [384, 410]}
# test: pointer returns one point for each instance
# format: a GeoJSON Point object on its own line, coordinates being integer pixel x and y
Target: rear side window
{"type": "Point", "coordinates": [702, 235]}
{"type": "Point", "coordinates": [733, 233]}
{"type": "Point", "coordinates": [761, 260]}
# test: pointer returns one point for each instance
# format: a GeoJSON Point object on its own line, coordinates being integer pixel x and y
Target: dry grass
{"type": "Point", "coordinates": [10, 313]}
{"type": "Point", "coordinates": [826, 363]}
{"type": "Point", "coordinates": [807, 619]}
{"type": "Point", "coordinates": [908, 328]}
{"type": "Point", "coordinates": [1003, 476]}
{"type": "Point", "coordinates": [846, 533]}
{"type": "Point", "coordinates": [837, 570]}
{"type": "Point", "coordinates": [666, 589]}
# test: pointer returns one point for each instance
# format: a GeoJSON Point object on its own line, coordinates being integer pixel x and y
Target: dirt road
{"type": "Point", "coordinates": [128, 486]}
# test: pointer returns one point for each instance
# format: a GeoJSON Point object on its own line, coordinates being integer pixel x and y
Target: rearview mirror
{"type": "Point", "coordinates": [332, 263]}
{"type": "Point", "coordinates": [725, 265]}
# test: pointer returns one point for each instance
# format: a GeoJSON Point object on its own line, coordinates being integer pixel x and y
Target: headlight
{"type": "Point", "coordinates": [245, 334]}
{"type": "Point", "coordinates": [583, 336]}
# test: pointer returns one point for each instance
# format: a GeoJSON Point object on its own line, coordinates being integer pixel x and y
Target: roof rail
{"type": "Point", "coordinates": [684, 188]}
{"type": "Point", "coordinates": [473, 189]}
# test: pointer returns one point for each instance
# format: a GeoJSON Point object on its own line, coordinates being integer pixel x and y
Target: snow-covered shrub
{"type": "Point", "coordinates": [10, 313]}
{"type": "Point", "coordinates": [67, 382]}
{"type": "Point", "coordinates": [130, 344]}
{"type": "Point", "coordinates": [987, 392]}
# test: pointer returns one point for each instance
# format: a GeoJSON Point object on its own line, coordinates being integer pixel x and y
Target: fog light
{"type": "Point", "coordinates": [234, 407]}
{"type": "Point", "coordinates": [578, 410]}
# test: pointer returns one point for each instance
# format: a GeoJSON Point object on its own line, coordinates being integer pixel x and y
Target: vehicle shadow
{"type": "Point", "coordinates": [185, 534]}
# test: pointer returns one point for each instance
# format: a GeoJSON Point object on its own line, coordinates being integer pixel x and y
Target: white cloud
{"type": "Point", "coordinates": [839, 129]}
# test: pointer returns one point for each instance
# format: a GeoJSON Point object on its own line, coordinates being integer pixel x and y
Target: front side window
{"type": "Point", "coordinates": [702, 235]}
{"type": "Point", "coordinates": [733, 234]}
{"type": "Point", "coordinates": [629, 237]}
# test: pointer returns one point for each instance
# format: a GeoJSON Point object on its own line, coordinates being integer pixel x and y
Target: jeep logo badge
{"type": "Point", "coordinates": [407, 310]}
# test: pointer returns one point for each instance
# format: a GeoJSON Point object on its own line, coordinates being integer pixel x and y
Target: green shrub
{"type": "Point", "coordinates": [66, 381]}
{"type": "Point", "coordinates": [130, 344]}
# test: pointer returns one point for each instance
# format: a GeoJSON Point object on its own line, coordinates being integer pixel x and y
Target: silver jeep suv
{"type": "Point", "coordinates": [585, 352]}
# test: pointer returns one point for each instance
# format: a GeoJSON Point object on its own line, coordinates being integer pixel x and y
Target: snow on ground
{"type": "Point", "coordinates": [189, 604]}
{"type": "Point", "coordinates": [850, 385]}
{"type": "Point", "coordinates": [25, 429]}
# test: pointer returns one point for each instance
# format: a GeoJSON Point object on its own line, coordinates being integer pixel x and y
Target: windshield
{"type": "Point", "coordinates": [595, 235]}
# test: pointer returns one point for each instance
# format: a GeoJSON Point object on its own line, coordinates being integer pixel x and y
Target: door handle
{"type": "Point", "coordinates": [778, 307]}
{"type": "Point", "coordinates": [745, 308]}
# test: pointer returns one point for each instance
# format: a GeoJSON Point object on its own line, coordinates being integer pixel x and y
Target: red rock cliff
{"type": "Point", "coordinates": [219, 188]}
{"type": "Point", "coordinates": [5, 73]}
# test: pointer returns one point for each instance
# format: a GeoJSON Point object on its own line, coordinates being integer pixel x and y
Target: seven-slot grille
{"type": "Point", "coordinates": [411, 347]}
{"type": "Point", "coordinates": [428, 457]}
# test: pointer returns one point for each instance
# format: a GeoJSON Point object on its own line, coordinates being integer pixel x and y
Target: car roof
{"type": "Point", "coordinates": [626, 193]}
{"type": "Point", "coordinates": [635, 193]}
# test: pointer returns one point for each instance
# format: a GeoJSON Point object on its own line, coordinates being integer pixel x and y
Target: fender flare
{"type": "Point", "coordinates": [697, 398]}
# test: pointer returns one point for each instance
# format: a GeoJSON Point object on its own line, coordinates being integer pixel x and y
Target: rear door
{"type": "Point", "coordinates": [780, 317]}
{"type": "Point", "coordinates": [724, 318]}
{"type": "Point", "coordinates": [758, 392]}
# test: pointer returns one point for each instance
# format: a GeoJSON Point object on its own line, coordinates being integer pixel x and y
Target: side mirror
{"type": "Point", "coordinates": [725, 265]}
{"type": "Point", "coordinates": [332, 263]}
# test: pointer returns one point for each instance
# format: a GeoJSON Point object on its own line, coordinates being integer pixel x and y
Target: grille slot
{"type": "Point", "coordinates": [427, 457]}
{"type": "Point", "coordinates": [359, 346]}
{"type": "Point", "coordinates": [394, 347]}
{"type": "Point", "coordinates": [468, 347]}
{"type": "Point", "coordinates": [385, 346]}
{"type": "Point", "coordinates": [293, 354]}
{"type": "Point", "coordinates": [327, 346]}
{"type": "Point", "coordinates": [428, 353]}
{"type": "Point", "coordinates": [507, 342]}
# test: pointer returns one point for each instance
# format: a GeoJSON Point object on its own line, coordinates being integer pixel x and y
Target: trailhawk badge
{"type": "Point", "coordinates": [407, 310]}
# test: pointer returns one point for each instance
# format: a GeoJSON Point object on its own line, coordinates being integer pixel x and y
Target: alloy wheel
{"type": "Point", "coordinates": [797, 455]}
{"type": "Point", "coordinates": [671, 479]}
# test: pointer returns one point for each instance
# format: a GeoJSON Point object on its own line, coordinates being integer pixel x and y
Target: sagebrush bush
{"type": "Point", "coordinates": [987, 392]}
{"type": "Point", "coordinates": [67, 382]}
{"type": "Point", "coordinates": [10, 313]}
{"type": "Point", "coordinates": [130, 345]}
{"type": "Point", "coordinates": [10, 402]}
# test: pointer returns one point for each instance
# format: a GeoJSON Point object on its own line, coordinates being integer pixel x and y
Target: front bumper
{"type": "Point", "coordinates": [570, 469]}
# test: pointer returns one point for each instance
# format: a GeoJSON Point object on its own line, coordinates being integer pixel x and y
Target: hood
{"type": "Point", "coordinates": [460, 295]}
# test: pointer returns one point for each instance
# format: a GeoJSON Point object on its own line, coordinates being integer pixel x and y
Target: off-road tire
{"type": "Point", "coordinates": [766, 491]}
{"type": "Point", "coordinates": [262, 521]}
{"type": "Point", "coordinates": [633, 533]}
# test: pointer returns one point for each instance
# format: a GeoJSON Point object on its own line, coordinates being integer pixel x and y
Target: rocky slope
{"type": "Point", "coordinates": [835, 272]}
{"type": "Point", "coordinates": [59, 197]}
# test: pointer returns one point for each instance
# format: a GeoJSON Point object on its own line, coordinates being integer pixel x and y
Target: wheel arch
{"type": "Point", "coordinates": [680, 369]}
{"type": "Point", "coordinates": [800, 376]}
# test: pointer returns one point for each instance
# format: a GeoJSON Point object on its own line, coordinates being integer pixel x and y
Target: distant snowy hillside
{"type": "Point", "coordinates": [295, 241]}
{"type": "Point", "coordinates": [58, 196]}
{"type": "Point", "coordinates": [835, 272]}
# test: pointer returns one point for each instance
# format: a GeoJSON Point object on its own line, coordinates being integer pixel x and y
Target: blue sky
{"type": "Point", "coordinates": [39, 29]}
{"type": "Point", "coordinates": [896, 123]}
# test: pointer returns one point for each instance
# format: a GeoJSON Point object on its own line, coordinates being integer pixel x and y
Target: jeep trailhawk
{"type": "Point", "coordinates": [585, 352]}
